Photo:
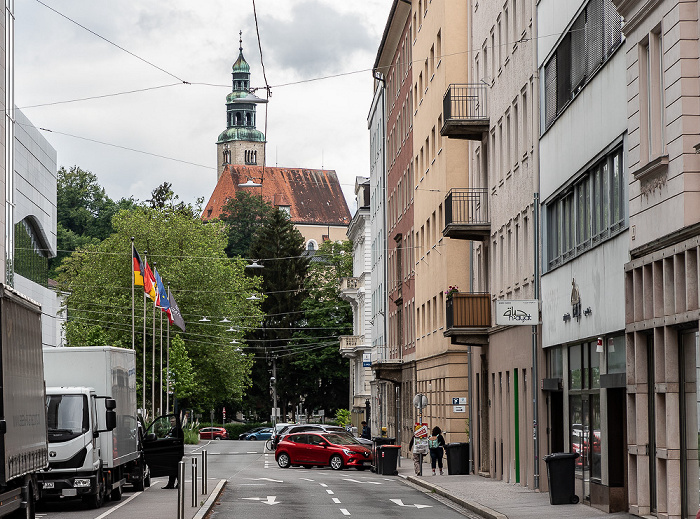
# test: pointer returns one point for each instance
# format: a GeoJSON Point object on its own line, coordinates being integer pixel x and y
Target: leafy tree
{"type": "Point", "coordinates": [183, 380]}
{"type": "Point", "coordinates": [281, 248]}
{"type": "Point", "coordinates": [84, 212]}
{"type": "Point", "coordinates": [243, 215]}
{"type": "Point", "coordinates": [190, 255]}
{"type": "Point", "coordinates": [319, 372]}
{"type": "Point", "coordinates": [164, 197]}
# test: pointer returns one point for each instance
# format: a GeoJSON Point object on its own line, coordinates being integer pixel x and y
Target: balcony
{"type": "Point", "coordinates": [349, 288]}
{"type": "Point", "coordinates": [468, 318]}
{"type": "Point", "coordinates": [467, 214]}
{"type": "Point", "coordinates": [351, 344]}
{"type": "Point", "coordinates": [464, 111]}
{"type": "Point", "coordinates": [385, 367]}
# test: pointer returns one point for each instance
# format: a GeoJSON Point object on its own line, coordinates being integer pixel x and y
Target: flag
{"type": "Point", "coordinates": [138, 267]}
{"type": "Point", "coordinates": [175, 315]}
{"type": "Point", "coordinates": [149, 283]}
{"type": "Point", "coordinates": [163, 302]}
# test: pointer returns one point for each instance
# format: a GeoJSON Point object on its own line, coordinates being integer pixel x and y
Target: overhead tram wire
{"type": "Point", "coordinates": [112, 43]}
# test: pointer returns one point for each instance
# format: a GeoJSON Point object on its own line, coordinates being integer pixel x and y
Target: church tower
{"type": "Point", "coordinates": [240, 143]}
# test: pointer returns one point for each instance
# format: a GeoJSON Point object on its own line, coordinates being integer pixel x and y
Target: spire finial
{"type": "Point", "coordinates": [240, 41]}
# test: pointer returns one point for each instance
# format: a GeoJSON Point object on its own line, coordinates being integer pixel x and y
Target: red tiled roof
{"type": "Point", "coordinates": [313, 196]}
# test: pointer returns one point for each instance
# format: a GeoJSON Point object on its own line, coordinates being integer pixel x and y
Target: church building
{"type": "Point", "coordinates": [312, 198]}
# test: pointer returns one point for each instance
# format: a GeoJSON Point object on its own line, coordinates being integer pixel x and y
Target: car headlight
{"type": "Point", "coordinates": [348, 452]}
{"type": "Point", "coordinates": [81, 483]}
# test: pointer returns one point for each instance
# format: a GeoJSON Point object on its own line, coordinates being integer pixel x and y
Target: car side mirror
{"type": "Point", "coordinates": [110, 420]}
{"type": "Point", "coordinates": [150, 437]}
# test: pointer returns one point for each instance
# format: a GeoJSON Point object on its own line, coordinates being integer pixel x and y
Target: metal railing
{"type": "Point", "coordinates": [465, 102]}
{"type": "Point", "coordinates": [467, 206]}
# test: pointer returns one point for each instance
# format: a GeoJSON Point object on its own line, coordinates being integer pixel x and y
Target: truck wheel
{"type": "Point", "coordinates": [139, 485]}
{"type": "Point", "coordinates": [116, 494]}
{"type": "Point", "coordinates": [94, 501]}
{"type": "Point", "coordinates": [30, 511]}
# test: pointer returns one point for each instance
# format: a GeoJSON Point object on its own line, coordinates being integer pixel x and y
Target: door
{"type": "Point", "coordinates": [164, 445]}
{"type": "Point", "coordinates": [318, 449]}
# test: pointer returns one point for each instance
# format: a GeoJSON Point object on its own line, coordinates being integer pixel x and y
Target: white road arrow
{"type": "Point", "coordinates": [400, 503]}
{"type": "Point", "coordinates": [270, 500]}
{"type": "Point", "coordinates": [356, 481]}
{"type": "Point", "coordinates": [267, 479]}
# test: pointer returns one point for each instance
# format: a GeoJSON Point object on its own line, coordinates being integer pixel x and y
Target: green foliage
{"type": "Point", "coordinates": [183, 382]}
{"type": "Point", "coordinates": [188, 254]}
{"type": "Point", "coordinates": [84, 212]}
{"type": "Point", "coordinates": [191, 434]}
{"type": "Point", "coordinates": [243, 215]}
{"type": "Point", "coordinates": [342, 417]}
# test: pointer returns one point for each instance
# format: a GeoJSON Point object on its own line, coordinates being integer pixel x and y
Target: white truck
{"type": "Point", "coordinates": [23, 441]}
{"type": "Point", "coordinates": [92, 423]}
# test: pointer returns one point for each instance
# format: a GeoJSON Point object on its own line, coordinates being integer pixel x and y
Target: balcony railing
{"type": "Point", "coordinates": [464, 110]}
{"type": "Point", "coordinates": [349, 344]}
{"type": "Point", "coordinates": [467, 214]}
{"type": "Point", "coordinates": [349, 283]}
{"type": "Point", "coordinates": [465, 310]}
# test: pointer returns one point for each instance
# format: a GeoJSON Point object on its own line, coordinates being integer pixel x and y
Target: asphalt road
{"type": "Point", "coordinates": [258, 489]}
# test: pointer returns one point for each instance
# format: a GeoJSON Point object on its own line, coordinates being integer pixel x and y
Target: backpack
{"type": "Point", "coordinates": [433, 442]}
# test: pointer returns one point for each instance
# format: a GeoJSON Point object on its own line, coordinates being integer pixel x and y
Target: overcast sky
{"type": "Point", "coordinates": [312, 124]}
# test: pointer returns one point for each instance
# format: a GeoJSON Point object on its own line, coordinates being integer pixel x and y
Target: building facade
{"type": "Point", "coordinates": [661, 277]}
{"type": "Point", "coordinates": [583, 149]}
{"type": "Point", "coordinates": [357, 290]}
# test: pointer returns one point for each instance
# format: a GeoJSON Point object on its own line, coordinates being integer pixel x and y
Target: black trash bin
{"type": "Point", "coordinates": [387, 457]}
{"type": "Point", "coordinates": [457, 458]}
{"type": "Point", "coordinates": [377, 442]}
{"type": "Point", "coordinates": [561, 473]}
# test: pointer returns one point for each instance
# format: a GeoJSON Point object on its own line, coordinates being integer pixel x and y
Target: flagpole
{"type": "Point", "coordinates": [143, 388]}
{"type": "Point", "coordinates": [160, 392]}
{"type": "Point", "coordinates": [153, 361]}
{"type": "Point", "coordinates": [133, 282]}
{"type": "Point", "coordinates": [167, 363]}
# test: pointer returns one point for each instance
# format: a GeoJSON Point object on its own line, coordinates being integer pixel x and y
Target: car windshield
{"type": "Point", "coordinates": [341, 439]}
{"type": "Point", "coordinates": [67, 417]}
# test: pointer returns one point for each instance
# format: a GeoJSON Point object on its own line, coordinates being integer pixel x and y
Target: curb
{"type": "Point", "coordinates": [207, 506]}
{"type": "Point", "coordinates": [469, 505]}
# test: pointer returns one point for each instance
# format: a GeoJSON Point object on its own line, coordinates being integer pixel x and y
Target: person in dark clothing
{"type": "Point", "coordinates": [365, 431]}
{"type": "Point", "coordinates": [436, 442]}
{"type": "Point", "coordinates": [175, 432]}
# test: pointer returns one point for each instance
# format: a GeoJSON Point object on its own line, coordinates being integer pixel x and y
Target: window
{"type": "Point", "coordinates": [438, 47]}
{"type": "Point", "coordinates": [593, 37]}
{"type": "Point", "coordinates": [651, 86]}
{"type": "Point", "coordinates": [591, 211]}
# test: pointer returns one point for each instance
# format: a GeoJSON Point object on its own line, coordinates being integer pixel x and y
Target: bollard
{"type": "Point", "coordinates": [194, 481]}
{"type": "Point", "coordinates": [181, 490]}
{"type": "Point", "coordinates": [204, 473]}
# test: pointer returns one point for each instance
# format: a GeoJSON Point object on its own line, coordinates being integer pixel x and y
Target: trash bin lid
{"type": "Point", "coordinates": [456, 444]}
{"type": "Point", "coordinates": [561, 456]}
{"type": "Point", "coordinates": [388, 447]}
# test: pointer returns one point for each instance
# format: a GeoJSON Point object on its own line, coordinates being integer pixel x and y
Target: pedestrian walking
{"type": "Point", "coordinates": [436, 442]}
{"type": "Point", "coordinates": [365, 431]}
{"type": "Point", "coordinates": [418, 448]}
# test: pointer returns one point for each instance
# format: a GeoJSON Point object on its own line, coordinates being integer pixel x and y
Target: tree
{"type": "Point", "coordinates": [164, 197]}
{"type": "Point", "coordinates": [243, 215]}
{"type": "Point", "coordinates": [281, 249]}
{"type": "Point", "coordinates": [84, 212]}
{"type": "Point", "coordinates": [319, 372]}
{"type": "Point", "coordinates": [190, 255]}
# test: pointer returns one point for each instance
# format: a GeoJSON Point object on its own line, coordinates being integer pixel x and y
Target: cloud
{"type": "Point", "coordinates": [315, 39]}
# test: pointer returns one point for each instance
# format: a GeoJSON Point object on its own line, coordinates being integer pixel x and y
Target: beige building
{"type": "Point", "coordinates": [440, 30]}
{"type": "Point", "coordinates": [662, 282]}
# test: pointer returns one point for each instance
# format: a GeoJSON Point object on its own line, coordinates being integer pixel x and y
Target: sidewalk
{"type": "Point", "coordinates": [495, 499]}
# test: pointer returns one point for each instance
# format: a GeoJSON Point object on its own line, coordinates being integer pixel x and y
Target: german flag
{"type": "Point", "coordinates": [138, 267]}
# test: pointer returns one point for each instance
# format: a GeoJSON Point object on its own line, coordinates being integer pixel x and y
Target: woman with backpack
{"type": "Point", "coordinates": [435, 443]}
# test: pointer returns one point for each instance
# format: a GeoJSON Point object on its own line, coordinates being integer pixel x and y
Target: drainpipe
{"type": "Point", "coordinates": [9, 143]}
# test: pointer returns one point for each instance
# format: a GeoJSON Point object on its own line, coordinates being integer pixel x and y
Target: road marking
{"type": "Point", "coordinates": [329, 491]}
{"type": "Point", "coordinates": [400, 503]}
{"type": "Point", "coordinates": [323, 484]}
{"type": "Point", "coordinates": [345, 512]}
{"type": "Point", "coordinates": [356, 481]}
{"type": "Point", "coordinates": [307, 479]}
{"type": "Point", "coordinates": [108, 512]}
{"type": "Point", "coordinates": [270, 500]}
{"type": "Point", "coordinates": [336, 500]}
{"type": "Point", "coordinates": [267, 479]}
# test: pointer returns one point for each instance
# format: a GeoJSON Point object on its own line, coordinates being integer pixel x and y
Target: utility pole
{"type": "Point", "coordinates": [273, 383]}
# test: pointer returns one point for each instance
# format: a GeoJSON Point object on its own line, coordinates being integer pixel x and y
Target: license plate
{"type": "Point", "coordinates": [48, 484]}
{"type": "Point", "coordinates": [69, 492]}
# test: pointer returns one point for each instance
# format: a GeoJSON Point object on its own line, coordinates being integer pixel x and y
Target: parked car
{"type": "Point", "coordinates": [244, 436]}
{"type": "Point", "coordinates": [263, 434]}
{"type": "Point", "coordinates": [317, 427]}
{"type": "Point", "coordinates": [276, 431]}
{"type": "Point", "coordinates": [322, 449]}
{"type": "Point", "coordinates": [213, 433]}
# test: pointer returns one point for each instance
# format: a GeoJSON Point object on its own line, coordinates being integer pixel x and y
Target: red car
{"type": "Point", "coordinates": [322, 449]}
{"type": "Point", "coordinates": [213, 433]}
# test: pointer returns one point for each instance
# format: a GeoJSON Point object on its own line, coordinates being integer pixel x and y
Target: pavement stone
{"type": "Point", "coordinates": [495, 499]}
{"type": "Point", "coordinates": [162, 503]}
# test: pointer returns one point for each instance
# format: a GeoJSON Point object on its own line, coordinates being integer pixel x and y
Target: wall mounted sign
{"type": "Point", "coordinates": [518, 312]}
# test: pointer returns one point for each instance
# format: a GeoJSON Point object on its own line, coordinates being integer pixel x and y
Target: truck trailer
{"type": "Point", "coordinates": [23, 438]}
{"type": "Point", "coordinates": [92, 423]}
